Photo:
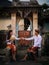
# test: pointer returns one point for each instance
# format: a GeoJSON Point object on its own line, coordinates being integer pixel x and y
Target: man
{"type": "Point", "coordinates": [37, 43]}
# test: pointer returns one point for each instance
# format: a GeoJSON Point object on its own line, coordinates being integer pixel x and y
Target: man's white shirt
{"type": "Point", "coordinates": [37, 40]}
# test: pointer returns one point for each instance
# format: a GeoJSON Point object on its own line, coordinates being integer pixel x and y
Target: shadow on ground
{"type": "Point", "coordinates": [40, 61]}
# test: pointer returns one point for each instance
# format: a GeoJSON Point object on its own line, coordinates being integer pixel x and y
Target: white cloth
{"type": "Point", "coordinates": [29, 28]}
{"type": "Point", "coordinates": [8, 42]}
{"type": "Point", "coordinates": [37, 40]}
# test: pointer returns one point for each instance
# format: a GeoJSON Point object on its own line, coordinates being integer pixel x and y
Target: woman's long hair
{"type": "Point", "coordinates": [8, 36]}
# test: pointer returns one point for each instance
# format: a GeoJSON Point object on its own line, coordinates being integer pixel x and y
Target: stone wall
{"type": "Point", "coordinates": [4, 23]}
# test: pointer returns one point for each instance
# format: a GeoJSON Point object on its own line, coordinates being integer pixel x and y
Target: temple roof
{"type": "Point", "coordinates": [18, 3]}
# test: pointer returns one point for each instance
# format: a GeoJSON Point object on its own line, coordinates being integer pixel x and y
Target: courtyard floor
{"type": "Point", "coordinates": [40, 61]}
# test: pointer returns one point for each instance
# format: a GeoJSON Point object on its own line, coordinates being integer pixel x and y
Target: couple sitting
{"type": "Point", "coordinates": [37, 43]}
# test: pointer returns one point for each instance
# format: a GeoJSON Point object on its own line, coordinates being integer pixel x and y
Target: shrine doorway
{"type": "Point", "coordinates": [24, 29]}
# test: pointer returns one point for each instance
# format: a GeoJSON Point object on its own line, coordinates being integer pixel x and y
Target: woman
{"type": "Point", "coordinates": [11, 45]}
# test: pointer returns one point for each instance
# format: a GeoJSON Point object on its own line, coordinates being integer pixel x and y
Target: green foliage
{"type": "Point", "coordinates": [46, 46]}
{"type": "Point", "coordinates": [44, 6]}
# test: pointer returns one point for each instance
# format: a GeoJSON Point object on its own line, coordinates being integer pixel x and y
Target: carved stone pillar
{"type": "Point", "coordinates": [13, 19]}
{"type": "Point", "coordinates": [35, 21]}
